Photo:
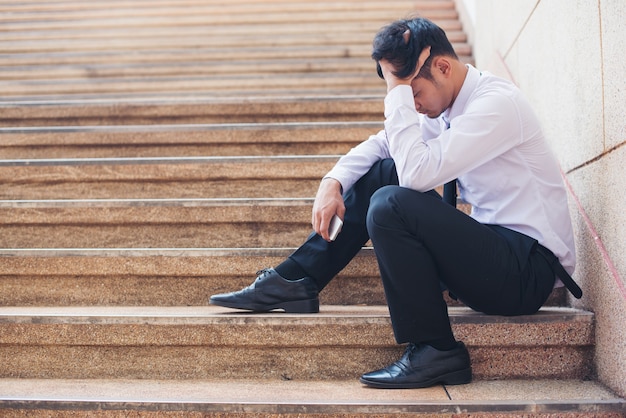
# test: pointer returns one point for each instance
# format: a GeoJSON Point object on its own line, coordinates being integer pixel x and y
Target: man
{"type": "Point", "coordinates": [443, 120]}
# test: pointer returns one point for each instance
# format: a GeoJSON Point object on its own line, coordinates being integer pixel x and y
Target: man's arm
{"type": "Point", "coordinates": [329, 199]}
{"type": "Point", "coordinates": [489, 127]}
{"type": "Point", "coordinates": [348, 170]}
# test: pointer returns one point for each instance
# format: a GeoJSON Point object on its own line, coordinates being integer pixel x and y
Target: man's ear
{"type": "Point", "coordinates": [442, 65]}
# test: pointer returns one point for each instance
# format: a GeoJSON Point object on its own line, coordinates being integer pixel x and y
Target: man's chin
{"type": "Point", "coordinates": [431, 115]}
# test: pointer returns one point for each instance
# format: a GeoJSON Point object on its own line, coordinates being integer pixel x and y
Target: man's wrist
{"type": "Point", "coordinates": [340, 187]}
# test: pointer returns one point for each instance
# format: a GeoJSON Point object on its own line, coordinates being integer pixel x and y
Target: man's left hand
{"type": "Point", "coordinates": [392, 80]}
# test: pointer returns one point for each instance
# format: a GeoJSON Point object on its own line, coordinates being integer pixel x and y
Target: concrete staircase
{"type": "Point", "coordinates": [155, 152]}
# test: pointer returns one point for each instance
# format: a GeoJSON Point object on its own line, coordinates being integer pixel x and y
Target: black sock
{"type": "Point", "coordinates": [442, 344]}
{"type": "Point", "coordinates": [290, 270]}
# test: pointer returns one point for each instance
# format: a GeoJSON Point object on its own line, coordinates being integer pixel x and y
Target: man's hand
{"type": "Point", "coordinates": [392, 80]}
{"type": "Point", "coordinates": [328, 202]}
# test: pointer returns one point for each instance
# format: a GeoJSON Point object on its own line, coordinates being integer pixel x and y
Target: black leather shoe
{"type": "Point", "coordinates": [422, 366]}
{"type": "Point", "coordinates": [271, 291]}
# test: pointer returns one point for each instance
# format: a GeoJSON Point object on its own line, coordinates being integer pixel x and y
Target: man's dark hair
{"type": "Point", "coordinates": [389, 44]}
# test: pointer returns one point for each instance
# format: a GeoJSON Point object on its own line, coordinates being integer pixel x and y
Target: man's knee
{"type": "Point", "coordinates": [383, 207]}
{"type": "Point", "coordinates": [395, 205]}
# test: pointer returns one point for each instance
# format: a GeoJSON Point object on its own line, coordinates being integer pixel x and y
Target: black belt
{"type": "Point", "coordinates": [559, 271]}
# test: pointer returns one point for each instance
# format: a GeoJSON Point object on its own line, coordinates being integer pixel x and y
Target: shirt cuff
{"type": "Point", "coordinates": [399, 96]}
{"type": "Point", "coordinates": [342, 177]}
{"type": "Point", "coordinates": [331, 177]}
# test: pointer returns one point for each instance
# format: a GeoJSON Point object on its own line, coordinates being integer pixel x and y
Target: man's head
{"type": "Point", "coordinates": [436, 85]}
{"type": "Point", "coordinates": [402, 49]}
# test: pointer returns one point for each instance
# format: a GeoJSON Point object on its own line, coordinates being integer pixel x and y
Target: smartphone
{"type": "Point", "coordinates": [335, 227]}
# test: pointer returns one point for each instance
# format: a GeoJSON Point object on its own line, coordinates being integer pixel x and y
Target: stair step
{"type": "Point", "coordinates": [155, 223]}
{"type": "Point", "coordinates": [210, 85]}
{"type": "Point", "coordinates": [181, 108]}
{"type": "Point", "coordinates": [279, 398]}
{"type": "Point", "coordinates": [168, 276]}
{"type": "Point", "coordinates": [157, 4]}
{"type": "Point", "coordinates": [216, 57]}
{"type": "Point", "coordinates": [221, 31]}
{"type": "Point", "coordinates": [190, 181]}
{"type": "Point", "coordinates": [176, 177]}
{"type": "Point", "coordinates": [224, 57]}
{"type": "Point", "coordinates": [271, 10]}
{"type": "Point", "coordinates": [160, 276]}
{"type": "Point", "coordinates": [161, 223]}
{"type": "Point", "coordinates": [249, 19]}
{"type": "Point", "coordinates": [216, 14]}
{"type": "Point", "coordinates": [185, 140]}
{"type": "Point", "coordinates": [217, 343]}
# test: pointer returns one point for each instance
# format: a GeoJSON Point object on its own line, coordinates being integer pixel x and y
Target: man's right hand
{"type": "Point", "coordinates": [328, 202]}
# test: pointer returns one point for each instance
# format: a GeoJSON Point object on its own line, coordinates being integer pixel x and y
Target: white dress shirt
{"type": "Point", "coordinates": [494, 146]}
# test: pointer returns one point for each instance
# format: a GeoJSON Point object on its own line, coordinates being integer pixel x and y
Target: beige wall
{"type": "Point", "coordinates": [569, 58]}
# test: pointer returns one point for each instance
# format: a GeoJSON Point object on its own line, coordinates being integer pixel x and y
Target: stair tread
{"type": "Point", "coordinates": [218, 315]}
{"type": "Point", "coordinates": [42, 162]}
{"type": "Point", "coordinates": [210, 342]}
{"type": "Point", "coordinates": [32, 134]}
{"type": "Point", "coordinates": [169, 201]}
{"type": "Point", "coordinates": [191, 107]}
{"type": "Point", "coordinates": [148, 252]}
{"type": "Point", "coordinates": [194, 177]}
{"type": "Point", "coordinates": [273, 396]}
{"type": "Point", "coordinates": [31, 144]}
{"type": "Point", "coordinates": [169, 276]}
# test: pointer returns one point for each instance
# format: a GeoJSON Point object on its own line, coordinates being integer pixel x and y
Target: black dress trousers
{"type": "Point", "coordinates": [422, 242]}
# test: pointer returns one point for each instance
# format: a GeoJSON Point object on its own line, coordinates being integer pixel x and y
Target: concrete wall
{"type": "Point", "coordinates": [569, 58]}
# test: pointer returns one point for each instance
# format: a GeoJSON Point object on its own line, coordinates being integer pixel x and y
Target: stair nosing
{"type": "Point", "coordinates": [156, 252]}
{"type": "Point", "coordinates": [188, 99]}
{"type": "Point", "coordinates": [160, 202]}
{"type": "Point", "coordinates": [164, 160]}
{"type": "Point", "coordinates": [209, 315]}
{"type": "Point", "coordinates": [185, 127]}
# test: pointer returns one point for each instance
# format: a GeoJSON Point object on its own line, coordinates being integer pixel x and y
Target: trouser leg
{"type": "Point", "coordinates": [420, 241]}
{"type": "Point", "coordinates": [322, 260]}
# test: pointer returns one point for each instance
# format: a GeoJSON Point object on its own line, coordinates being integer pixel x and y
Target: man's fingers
{"type": "Point", "coordinates": [406, 36]}
{"type": "Point", "coordinates": [422, 59]}
{"type": "Point", "coordinates": [322, 228]}
{"type": "Point", "coordinates": [321, 222]}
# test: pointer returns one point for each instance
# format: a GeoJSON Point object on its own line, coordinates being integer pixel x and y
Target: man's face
{"type": "Point", "coordinates": [431, 97]}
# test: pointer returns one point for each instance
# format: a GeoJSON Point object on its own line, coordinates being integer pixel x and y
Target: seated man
{"type": "Point", "coordinates": [444, 120]}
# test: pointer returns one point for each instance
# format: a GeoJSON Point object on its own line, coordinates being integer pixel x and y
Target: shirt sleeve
{"type": "Point", "coordinates": [352, 166]}
{"type": "Point", "coordinates": [488, 127]}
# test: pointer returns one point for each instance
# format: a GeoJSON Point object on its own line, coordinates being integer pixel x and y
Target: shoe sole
{"type": "Point", "coordinates": [460, 377]}
{"type": "Point", "coordinates": [295, 306]}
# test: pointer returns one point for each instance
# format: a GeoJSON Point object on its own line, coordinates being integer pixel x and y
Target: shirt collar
{"type": "Point", "coordinates": [471, 80]}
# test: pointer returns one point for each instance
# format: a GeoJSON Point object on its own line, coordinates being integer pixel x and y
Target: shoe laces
{"type": "Point", "coordinates": [251, 287]}
{"type": "Point", "coordinates": [405, 361]}
{"type": "Point", "coordinates": [410, 348]}
{"type": "Point", "coordinates": [262, 272]}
